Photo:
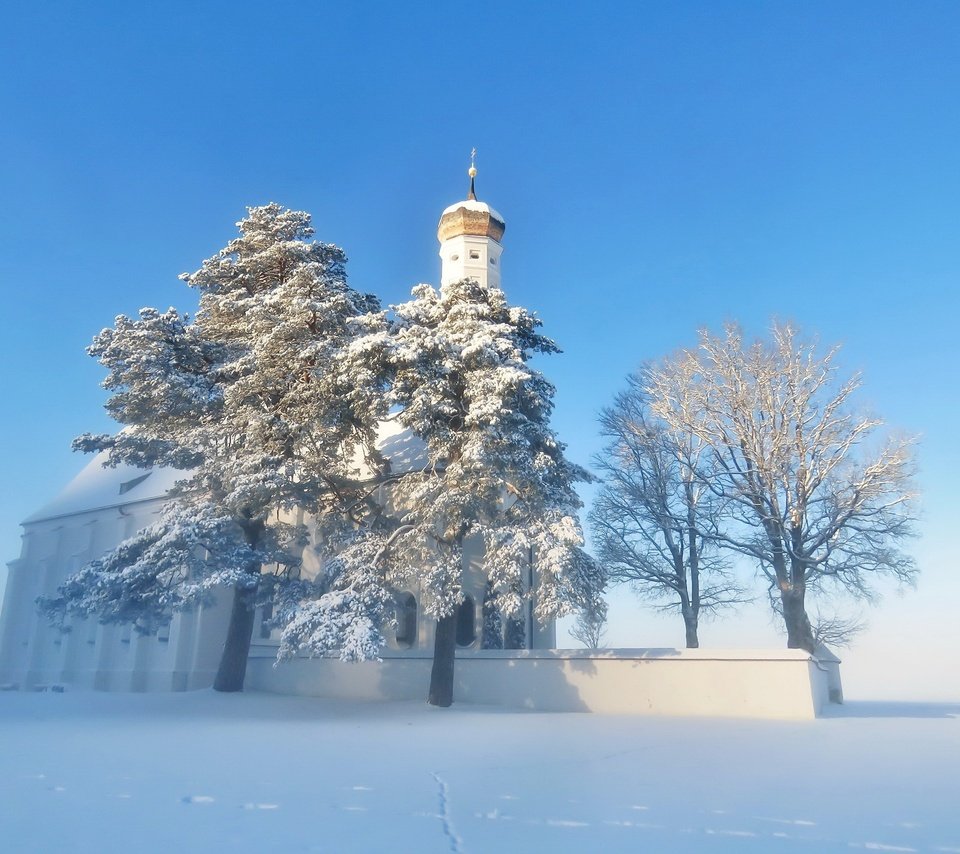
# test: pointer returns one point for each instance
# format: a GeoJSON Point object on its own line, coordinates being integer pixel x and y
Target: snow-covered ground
{"type": "Point", "coordinates": [204, 772]}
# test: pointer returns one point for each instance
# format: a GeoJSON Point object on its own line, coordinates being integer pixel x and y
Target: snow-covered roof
{"type": "Point", "coordinates": [98, 486]}
{"type": "Point", "coordinates": [473, 205]}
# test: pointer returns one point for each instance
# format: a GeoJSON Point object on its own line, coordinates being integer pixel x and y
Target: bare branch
{"type": "Point", "coordinates": [656, 518]}
{"type": "Point", "coordinates": [809, 491]}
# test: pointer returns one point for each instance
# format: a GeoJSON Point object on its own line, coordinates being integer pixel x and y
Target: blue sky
{"type": "Point", "coordinates": [661, 167]}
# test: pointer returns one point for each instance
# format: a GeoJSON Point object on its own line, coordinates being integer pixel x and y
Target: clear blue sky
{"type": "Point", "coordinates": [661, 166]}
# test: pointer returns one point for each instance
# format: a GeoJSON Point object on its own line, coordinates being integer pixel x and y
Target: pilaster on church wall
{"type": "Point", "coordinates": [106, 651]}
{"type": "Point", "coordinates": [45, 656]}
{"type": "Point", "coordinates": [10, 620]}
{"type": "Point", "coordinates": [183, 639]}
{"type": "Point", "coordinates": [475, 580]}
{"type": "Point", "coordinates": [142, 649]}
{"type": "Point", "coordinates": [72, 643]}
{"type": "Point", "coordinates": [20, 619]}
{"type": "Point", "coordinates": [211, 630]}
{"type": "Point", "coordinates": [83, 653]}
{"type": "Point", "coordinates": [139, 655]}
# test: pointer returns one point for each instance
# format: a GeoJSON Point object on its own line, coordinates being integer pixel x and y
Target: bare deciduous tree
{"type": "Point", "coordinates": [654, 520]}
{"type": "Point", "coordinates": [820, 496]}
{"type": "Point", "coordinates": [590, 628]}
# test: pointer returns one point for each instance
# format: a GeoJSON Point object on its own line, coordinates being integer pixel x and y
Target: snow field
{"type": "Point", "coordinates": [201, 772]}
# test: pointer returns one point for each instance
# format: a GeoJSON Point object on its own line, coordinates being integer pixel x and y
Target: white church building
{"type": "Point", "coordinates": [103, 506]}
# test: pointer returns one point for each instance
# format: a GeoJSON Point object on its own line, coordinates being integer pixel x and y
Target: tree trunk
{"type": "Point", "coordinates": [444, 653]}
{"type": "Point", "coordinates": [691, 616]}
{"type": "Point", "coordinates": [799, 630]}
{"type": "Point", "coordinates": [236, 649]}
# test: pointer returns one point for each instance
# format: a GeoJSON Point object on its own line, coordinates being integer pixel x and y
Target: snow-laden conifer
{"type": "Point", "coordinates": [494, 470]}
{"type": "Point", "coordinates": [257, 401]}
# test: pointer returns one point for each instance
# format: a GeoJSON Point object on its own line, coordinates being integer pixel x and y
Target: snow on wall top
{"type": "Point", "coordinates": [97, 486]}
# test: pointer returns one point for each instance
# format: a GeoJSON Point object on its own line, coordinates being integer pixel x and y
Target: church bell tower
{"type": "Point", "coordinates": [470, 233]}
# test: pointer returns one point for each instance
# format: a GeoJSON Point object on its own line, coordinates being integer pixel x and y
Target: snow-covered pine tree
{"type": "Point", "coordinates": [462, 383]}
{"type": "Point", "coordinates": [257, 401]}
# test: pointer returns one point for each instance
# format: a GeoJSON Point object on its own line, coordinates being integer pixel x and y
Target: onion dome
{"type": "Point", "coordinates": [471, 216]}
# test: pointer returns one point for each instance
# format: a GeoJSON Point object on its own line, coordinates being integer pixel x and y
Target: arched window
{"type": "Point", "coordinates": [406, 620]}
{"type": "Point", "coordinates": [466, 622]}
{"type": "Point", "coordinates": [491, 632]}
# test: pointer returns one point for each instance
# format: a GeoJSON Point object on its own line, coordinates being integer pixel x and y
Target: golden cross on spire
{"type": "Point", "coordinates": [472, 172]}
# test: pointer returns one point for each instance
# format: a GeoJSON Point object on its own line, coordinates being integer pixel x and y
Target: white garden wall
{"type": "Point", "coordinates": [718, 683]}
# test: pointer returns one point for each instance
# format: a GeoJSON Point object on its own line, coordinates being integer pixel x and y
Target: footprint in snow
{"type": "Point", "coordinates": [879, 846]}
{"type": "Point", "coordinates": [711, 832]}
{"type": "Point", "coordinates": [643, 825]}
{"type": "Point", "coordinates": [493, 815]}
